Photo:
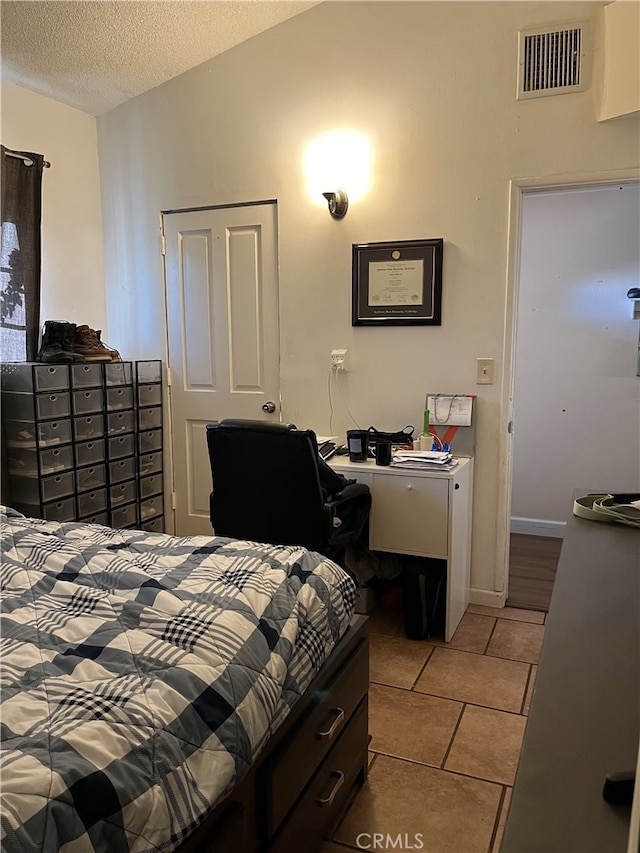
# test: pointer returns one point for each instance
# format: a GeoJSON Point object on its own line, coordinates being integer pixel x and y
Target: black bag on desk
{"type": "Point", "coordinates": [403, 438]}
{"type": "Point", "coordinates": [425, 588]}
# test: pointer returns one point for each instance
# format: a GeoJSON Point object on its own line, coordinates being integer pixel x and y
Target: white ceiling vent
{"type": "Point", "coordinates": [552, 60]}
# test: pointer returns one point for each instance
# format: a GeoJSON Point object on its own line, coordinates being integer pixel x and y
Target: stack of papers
{"type": "Point", "coordinates": [424, 459]}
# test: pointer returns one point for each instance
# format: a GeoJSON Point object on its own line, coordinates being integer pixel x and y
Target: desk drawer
{"type": "Point", "coordinates": [324, 801]}
{"type": "Point", "coordinates": [321, 728]}
{"type": "Point", "coordinates": [410, 515]}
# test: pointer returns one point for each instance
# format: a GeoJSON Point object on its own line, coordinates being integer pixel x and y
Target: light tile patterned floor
{"type": "Point", "coordinates": [446, 724]}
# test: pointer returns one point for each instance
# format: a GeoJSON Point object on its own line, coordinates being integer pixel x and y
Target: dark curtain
{"type": "Point", "coordinates": [20, 255]}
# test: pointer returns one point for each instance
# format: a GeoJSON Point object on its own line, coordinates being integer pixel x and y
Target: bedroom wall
{"type": "Point", "coordinates": [72, 239]}
{"type": "Point", "coordinates": [432, 86]}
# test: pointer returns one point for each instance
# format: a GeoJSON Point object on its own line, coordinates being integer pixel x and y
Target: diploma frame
{"type": "Point", "coordinates": [397, 284]}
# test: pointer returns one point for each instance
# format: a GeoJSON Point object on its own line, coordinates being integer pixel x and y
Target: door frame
{"type": "Point", "coordinates": [518, 187]}
{"type": "Point", "coordinates": [168, 434]}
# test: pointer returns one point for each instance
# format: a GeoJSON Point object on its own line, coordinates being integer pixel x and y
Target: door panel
{"type": "Point", "coordinates": [222, 318]}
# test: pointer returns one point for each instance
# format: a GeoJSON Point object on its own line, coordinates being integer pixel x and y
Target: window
{"type": "Point", "coordinates": [20, 254]}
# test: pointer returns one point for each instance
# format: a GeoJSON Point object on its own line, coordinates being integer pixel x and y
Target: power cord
{"type": "Point", "coordinates": [330, 402]}
{"type": "Point", "coordinates": [333, 371]}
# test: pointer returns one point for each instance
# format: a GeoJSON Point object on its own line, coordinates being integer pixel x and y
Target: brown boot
{"type": "Point", "coordinates": [115, 355]}
{"type": "Point", "coordinates": [88, 344]}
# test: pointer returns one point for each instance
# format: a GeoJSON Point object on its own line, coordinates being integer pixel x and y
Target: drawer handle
{"type": "Point", "coordinates": [409, 488]}
{"type": "Point", "coordinates": [327, 801]}
{"type": "Point", "coordinates": [329, 733]}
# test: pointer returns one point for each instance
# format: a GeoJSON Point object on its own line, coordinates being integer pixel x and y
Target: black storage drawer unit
{"type": "Point", "coordinates": [80, 436]}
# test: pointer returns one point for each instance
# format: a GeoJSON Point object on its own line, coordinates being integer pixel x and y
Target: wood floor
{"type": "Point", "coordinates": [532, 570]}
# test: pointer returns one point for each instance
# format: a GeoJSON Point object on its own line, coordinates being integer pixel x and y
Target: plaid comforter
{"type": "Point", "coordinates": [142, 673]}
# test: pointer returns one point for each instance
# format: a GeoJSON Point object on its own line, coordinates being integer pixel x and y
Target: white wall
{"type": "Point", "coordinates": [432, 85]}
{"type": "Point", "coordinates": [72, 239]}
{"type": "Point", "coordinates": [577, 396]}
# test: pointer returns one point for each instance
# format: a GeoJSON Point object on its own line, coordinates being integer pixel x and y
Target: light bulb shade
{"type": "Point", "coordinates": [338, 159]}
{"type": "Point", "coordinates": [338, 203]}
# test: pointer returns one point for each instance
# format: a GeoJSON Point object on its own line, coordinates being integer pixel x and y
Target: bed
{"type": "Point", "coordinates": [163, 693]}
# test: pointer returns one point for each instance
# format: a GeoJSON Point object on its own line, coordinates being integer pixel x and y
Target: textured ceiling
{"type": "Point", "coordinates": [96, 54]}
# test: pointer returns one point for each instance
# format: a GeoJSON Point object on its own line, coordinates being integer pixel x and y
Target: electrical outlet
{"type": "Point", "coordinates": [484, 375]}
{"type": "Point", "coordinates": [338, 359]}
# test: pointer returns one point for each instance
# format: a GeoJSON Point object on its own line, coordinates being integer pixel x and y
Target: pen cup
{"type": "Point", "coordinates": [383, 452]}
{"type": "Point", "coordinates": [357, 444]}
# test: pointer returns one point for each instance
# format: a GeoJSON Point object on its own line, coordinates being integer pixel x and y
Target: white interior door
{"type": "Point", "coordinates": [222, 316]}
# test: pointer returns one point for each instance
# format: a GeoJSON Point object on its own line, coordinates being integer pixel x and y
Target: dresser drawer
{"type": "Point", "coordinates": [91, 426]}
{"type": "Point", "coordinates": [150, 418]}
{"type": "Point", "coordinates": [35, 377]}
{"type": "Point", "coordinates": [151, 507]}
{"type": "Point", "coordinates": [148, 371]}
{"type": "Point", "coordinates": [123, 493]}
{"type": "Point", "coordinates": [121, 445]}
{"type": "Point", "coordinates": [89, 452]}
{"type": "Point", "coordinates": [86, 375]}
{"type": "Point", "coordinates": [122, 469]}
{"type": "Point", "coordinates": [91, 478]}
{"type": "Point", "coordinates": [119, 398]}
{"type": "Point", "coordinates": [150, 441]}
{"type": "Point", "coordinates": [54, 487]}
{"type": "Point", "coordinates": [92, 503]}
{"type": "Point", "coordinates": [155, 525]}
{"type": "Point", "coordinates": [294, 766]}
{"type": "Point", "coordinates": [118, 373]}
{"type": "Point", "coordinates": [324, 801]}
{"type": "Point", "coordinates": [119, 422]}
{"type": "Point", "coordinates": [64, 510]}
{"type": "Point", "coordinates": [87, 401]}
{"type": "Point", "coordinates": [150, 463]}
{"type": "Point", "coordinates": [149, 395]}
{"type": "Point", "coordinates": [31, 463]}
{"type": "Point", "coordinates": [150, 486]}
{"type": "Point", "coordinates": [25, 434]}
{"type": "Point", "coordinates": [125, 516]}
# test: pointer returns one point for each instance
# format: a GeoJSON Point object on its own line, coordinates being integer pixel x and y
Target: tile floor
{"type": "Point", "coordinates": [447, 722]}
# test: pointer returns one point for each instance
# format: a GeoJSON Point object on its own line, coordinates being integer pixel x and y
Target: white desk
{"type": "Point", "coordinates": [425, 514]}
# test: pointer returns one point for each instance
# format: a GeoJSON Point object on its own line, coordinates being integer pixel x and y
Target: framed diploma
{"type": "Point", "coordinates": [397, 284]}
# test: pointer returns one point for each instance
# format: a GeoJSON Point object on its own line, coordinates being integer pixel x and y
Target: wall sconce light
{"type": "Point", "coordinates": [338, 203]}
{"type": "Point", "coordinates": [338, 159]}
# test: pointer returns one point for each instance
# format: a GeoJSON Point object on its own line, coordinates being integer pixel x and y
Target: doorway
{"type": "Point", "coordinates": [221, 291]}
{"type": "Point", "coordinates": [575, 399]}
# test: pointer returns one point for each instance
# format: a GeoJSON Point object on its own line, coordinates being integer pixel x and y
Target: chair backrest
{"type": "Point", "coordinates": [266, 485]}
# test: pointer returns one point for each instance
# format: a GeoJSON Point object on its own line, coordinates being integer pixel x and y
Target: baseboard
{"type": "Point", "coordinates": [538, 527]}
{"type": "Point", "coordinates": [487, 597]}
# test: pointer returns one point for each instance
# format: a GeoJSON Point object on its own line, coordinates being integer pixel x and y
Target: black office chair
{"type": "Point", "coordinates": [268, 486]}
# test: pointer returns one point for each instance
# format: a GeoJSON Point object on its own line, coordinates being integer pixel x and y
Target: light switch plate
{"type": "Point", "coordinates": [485, 370]}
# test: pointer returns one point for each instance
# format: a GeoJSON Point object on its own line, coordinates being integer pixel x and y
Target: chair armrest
{"type": "Point", "coordinates": [350, 491]}
{"type": "Point", "coordinates": [351, 506]}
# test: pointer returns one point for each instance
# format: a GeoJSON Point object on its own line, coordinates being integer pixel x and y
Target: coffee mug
{"type": "Point", "coordinates": [383, 452]}
{"type": "Point", "coordinates": [357, 444]}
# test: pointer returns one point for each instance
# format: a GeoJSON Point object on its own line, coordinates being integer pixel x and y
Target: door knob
{"type": "Point", "coordinates": [269, 407]}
